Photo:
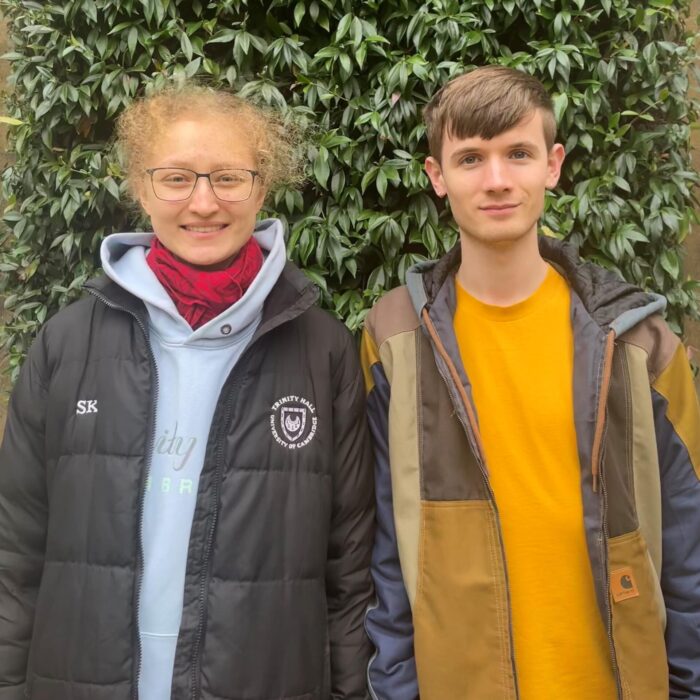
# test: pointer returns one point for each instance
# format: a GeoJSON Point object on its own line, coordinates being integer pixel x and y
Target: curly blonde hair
{"type": "Point", "coordinates": [277, 143]}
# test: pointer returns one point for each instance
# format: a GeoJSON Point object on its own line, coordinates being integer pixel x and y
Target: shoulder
{"type": "Point", "coordinates": [327, 334]}
{"type": "Point", "coordinates": [87, 326]}
{"type": "Point", "coordinates": [392, 314]}
{"type": "Point", "coordinates": [88, 313]}
{"type": "Point", "coordinates": [318, 326]}
{"type": "Point", "coordinates": [69, 323]}
{"type": "Point", "coordinates": [656, 341]}
{"type": "Point", "coordinates": [57, 338]}
{"type": "Point", "coordinates": [322, 321]}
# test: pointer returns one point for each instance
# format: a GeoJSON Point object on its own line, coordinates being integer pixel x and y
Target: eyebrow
{"type": "Point", "coordinates": [510, 147]}
{"type": "Point", "coordinates": [187, 165]}
{"type": "Point", "coordinates": [525, 144]}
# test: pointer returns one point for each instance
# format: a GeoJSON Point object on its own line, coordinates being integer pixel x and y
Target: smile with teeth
{"type": "Point", "coordinates": [204, 229]}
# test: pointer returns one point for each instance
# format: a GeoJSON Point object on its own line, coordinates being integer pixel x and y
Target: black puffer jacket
{"type": "Point", "coordinates": [277, 577]}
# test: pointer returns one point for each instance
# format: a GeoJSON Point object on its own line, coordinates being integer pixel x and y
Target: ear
{"type": "Point", "coordinates": [434, 171]}
{"type": "Point", "coordinates": [555, 159]}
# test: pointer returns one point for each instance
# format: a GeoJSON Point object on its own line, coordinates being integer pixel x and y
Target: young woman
{"type": "Point", "coordinates": [185, 481]}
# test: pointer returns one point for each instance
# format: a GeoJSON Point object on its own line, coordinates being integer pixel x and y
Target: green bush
{"type": "Point", "coordinates": [618, 70]}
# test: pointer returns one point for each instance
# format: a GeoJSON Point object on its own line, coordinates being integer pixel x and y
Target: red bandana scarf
{"type": "Point", "coordinates": [201, 295]}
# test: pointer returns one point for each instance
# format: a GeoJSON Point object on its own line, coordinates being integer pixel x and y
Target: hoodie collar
{"type": "Point", "coordinates": [130, 284]}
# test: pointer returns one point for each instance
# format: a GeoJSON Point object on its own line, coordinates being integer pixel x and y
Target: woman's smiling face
{"type": "Point", "coordinates": [203, 230]}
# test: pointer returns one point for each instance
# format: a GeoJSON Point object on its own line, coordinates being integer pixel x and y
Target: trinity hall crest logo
{"type": "Point", "coordinates": [293, 422]}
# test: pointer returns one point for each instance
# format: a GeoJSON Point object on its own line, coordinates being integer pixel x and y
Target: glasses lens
{"type": "Point", "coordinates": [232, 185]}
{"type": "Point", "coordinates": [173, 184]}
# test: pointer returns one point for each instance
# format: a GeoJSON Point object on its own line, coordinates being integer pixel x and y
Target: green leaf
{"type": "Point", "coordinates": [346, 64]}
{"type": "Point", "coordinates": [670, 263]}
{"type": "Point", "coordinates": [622, 183]}
{"type": "Point", "coordinates": [224, 37]}
{"type": "Point", "coordinates": [317, 276]}
{"type": "Point", "coordinates": [368, 177]}
{"type": "Point", "coordinates": [560, 103]}
{"type": "Point", "coordinates": [112, 187]}
{"type": "Point", "coordinates": [321, 167]}
{"type": "Point", "coordinates": [586, 141]}
{"type": "Point", "coordinates": [131, 39]}
{"type": "Point", "coordinates": [381, 183]}
{"type": "Point", "coordinates": [186, 46]}
{"type": "Point", "coordinates": [343, 27]}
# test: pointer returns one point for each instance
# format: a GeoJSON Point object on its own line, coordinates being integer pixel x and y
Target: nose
{"type": "Point", "coordinates": [496, 175]}
{"type": "Point", "coordinates": [203, 201]}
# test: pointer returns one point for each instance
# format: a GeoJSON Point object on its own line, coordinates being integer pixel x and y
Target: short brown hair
{"type": "Point", "coordinates": [486, 102]}
{"type": "Point", "coordinates": [277, 144]}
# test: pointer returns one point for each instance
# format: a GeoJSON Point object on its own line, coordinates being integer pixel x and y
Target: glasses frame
{"type": "Point", "coordinates": [207, 176]}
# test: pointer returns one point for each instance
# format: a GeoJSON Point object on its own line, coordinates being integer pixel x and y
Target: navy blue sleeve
{"type": "Point", "coordinates": [349, 589]}
{"type": "Point", "coordinates": [680, 572]}
{"type": "Point", "coordinates": [389, 623]}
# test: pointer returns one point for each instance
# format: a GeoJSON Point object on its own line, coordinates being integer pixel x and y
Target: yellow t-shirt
{"type": "Point", "coordinates": [519, 360]}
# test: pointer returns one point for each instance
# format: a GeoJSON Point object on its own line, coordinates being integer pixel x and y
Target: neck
{"type": "Point", "coordinates": [213, 267]}
{"type": "Point", "coordinates": [501, 274]}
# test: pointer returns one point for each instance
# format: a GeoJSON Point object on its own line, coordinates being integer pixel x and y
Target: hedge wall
{"type": "Point", "coordinates": [618, 71]}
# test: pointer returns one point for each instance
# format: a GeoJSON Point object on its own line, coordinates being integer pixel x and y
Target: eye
{"type": "Point", "coordinates": [174, 177]}
{"type": "Point", "coordinates": [469, 159]}
{"type": "Point", "coordinates": [520, 155]}
{"type": "Point", "coordinates": [231, 177]}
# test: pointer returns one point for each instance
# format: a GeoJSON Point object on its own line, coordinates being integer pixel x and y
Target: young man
{"type": "Point", "coordinates": [537, 436]}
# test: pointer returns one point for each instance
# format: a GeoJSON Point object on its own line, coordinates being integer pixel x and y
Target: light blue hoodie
{"type": "Point", "coordinates": [192, 367]}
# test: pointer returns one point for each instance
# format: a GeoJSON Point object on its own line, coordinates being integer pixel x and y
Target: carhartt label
{"type": "Point", "coordinates": [622, 584]}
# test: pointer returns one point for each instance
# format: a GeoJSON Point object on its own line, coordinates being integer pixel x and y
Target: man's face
{"type": "Point", "coordinates": [496, 187]}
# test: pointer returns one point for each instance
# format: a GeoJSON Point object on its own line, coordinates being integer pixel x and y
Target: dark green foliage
{"type": "Point", "coordinates": [617, 70]}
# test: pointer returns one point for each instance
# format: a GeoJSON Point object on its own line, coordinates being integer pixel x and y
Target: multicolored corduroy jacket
{"type": "Point", "coordinates": [441, 625]}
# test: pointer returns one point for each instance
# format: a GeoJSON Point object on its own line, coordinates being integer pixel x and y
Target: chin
{"type": "Point", "coordinates": [496, 238]}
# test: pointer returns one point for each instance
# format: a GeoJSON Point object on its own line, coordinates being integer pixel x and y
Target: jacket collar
{"type": "Point", "coordinates": [292, 294]}
{"type": "Point", "coordinates": [612, 303]}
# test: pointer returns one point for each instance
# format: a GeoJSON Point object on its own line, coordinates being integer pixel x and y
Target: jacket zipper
{"type": "Point", "coordinates": [473, 434]}
{"type": "Point", "coordinates": [142, 494]}
{"type": "Point", "coordinates": [370, 609]}
{"type": "Point", "coordinates": [613, 653]}
{"type": "Point", "coordinates": [210, 535]}
{"type": "Point", "coordinates": [599, 478]}
{"type": "Point", "coordinates": [234, 380]}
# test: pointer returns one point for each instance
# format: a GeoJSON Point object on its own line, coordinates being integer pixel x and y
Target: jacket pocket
{"type": "Point", "coordinates": [462, 593]}
{"type": "Point", "coordinates": [638, 619]}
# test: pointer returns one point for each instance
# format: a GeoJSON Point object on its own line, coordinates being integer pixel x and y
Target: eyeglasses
{"type": "Point", "coordinates": [177, 184]}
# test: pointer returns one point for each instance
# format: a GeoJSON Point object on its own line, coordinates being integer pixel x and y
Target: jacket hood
{"type": "Point", "coordinates": [612, 303]}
